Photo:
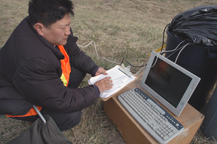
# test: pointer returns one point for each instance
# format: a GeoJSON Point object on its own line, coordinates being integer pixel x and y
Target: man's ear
{"type": "Point", "coordinates": [39, 27]}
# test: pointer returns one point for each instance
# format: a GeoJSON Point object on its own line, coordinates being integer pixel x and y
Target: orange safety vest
{"type": "Point", "coordinates": [66, 70]}
{"type": "Point", "coordinates": [65, 66]}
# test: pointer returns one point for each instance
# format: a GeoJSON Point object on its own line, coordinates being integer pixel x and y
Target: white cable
{"type": "Point", "coordinates": [146, 65]}
{"type": "Point", "coordinates": [181, 51]}
{"type": "Point", "coordinates": [173, 49]}
{"type": "Point", "coordinates": [140, 70]}
{"type": "Point", "coordinates": [86, 45]}
{"type": "Point", "coordinates": [155, 60]}
{"type": "Point", "coordinates": [97, 52]}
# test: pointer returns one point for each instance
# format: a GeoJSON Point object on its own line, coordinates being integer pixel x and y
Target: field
{"type": "Point", "coordinates": [128, 29]}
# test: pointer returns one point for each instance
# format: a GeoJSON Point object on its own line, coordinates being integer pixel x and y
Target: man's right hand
{"type": "Point", "coordinates": [104, 84]}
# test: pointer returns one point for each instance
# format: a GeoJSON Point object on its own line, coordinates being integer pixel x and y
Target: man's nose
{"type": "Point", "coordinates": [68, 32]}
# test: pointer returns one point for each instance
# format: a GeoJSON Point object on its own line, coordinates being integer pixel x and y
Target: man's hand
{"type": "Point", "coordinates": [104, 84]}
{"type": "Point", "coordinates": [100, 71]}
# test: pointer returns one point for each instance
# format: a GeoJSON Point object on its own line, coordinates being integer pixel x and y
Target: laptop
{"type": "Point", "coordinates": [169, 84]}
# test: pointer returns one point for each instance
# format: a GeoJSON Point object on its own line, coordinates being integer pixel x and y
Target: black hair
{"type": "Point", "coordinates": [48, 12]}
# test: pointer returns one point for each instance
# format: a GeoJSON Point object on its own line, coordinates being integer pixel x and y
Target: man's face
{"type": "Point", "coordinates": [58, 32]}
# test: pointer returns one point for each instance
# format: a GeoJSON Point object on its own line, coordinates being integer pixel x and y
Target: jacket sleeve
{"type": "Point", "coordinates": [38, 81]}
{"type": "Point", "coordinates": [78, 58]}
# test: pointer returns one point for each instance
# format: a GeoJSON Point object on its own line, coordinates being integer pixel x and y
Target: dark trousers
{"type": "Point", "coordinates": [64, 121]}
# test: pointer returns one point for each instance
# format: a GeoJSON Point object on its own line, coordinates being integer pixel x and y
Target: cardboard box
{"type": "Point", "coordinates": [133, 133]}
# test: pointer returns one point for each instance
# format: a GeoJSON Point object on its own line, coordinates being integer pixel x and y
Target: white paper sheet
{"type": "Point", "coordinates": [119, 81]}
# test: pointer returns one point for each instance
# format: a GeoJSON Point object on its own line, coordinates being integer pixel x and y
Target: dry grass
{"type": "Point", "coordinates": [120, 28]}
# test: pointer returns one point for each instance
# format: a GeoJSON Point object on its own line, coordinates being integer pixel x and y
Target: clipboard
{"type": "Point", "coordinates": [120, 77]}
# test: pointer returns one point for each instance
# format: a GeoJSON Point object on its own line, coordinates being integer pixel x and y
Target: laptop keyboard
{"type": "Point", "coordinates": [150, 115]}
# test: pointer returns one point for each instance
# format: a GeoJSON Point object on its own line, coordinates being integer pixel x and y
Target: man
{"type": "Point", "coordinates": [41, 65]}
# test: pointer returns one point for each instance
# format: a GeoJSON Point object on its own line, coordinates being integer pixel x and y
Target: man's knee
{"type": "Point", "coordinates": [68, 120]}
{"type": "Point", "coordinates": [76, 78]}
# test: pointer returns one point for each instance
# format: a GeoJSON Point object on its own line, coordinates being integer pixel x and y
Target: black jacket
{"type": "Point", "coordinates": [30, 73]}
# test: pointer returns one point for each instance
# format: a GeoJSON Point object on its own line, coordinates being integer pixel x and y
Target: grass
{"type": "Point", "coordinates": [120, 28]}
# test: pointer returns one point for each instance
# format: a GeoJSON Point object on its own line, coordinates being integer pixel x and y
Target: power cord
{"type": "Point", "coordinates": [142, 66]}
{"type": "Point", "coordinates": [130, 63]}
{"type": "Point", "coordinates": [97, 52]}
{"type": "Point", "coordinates": [168, 51]}
{"type": "Point", "coordinates": [163, 36]}
{"type": "Point", "coordinates": [181, 51]}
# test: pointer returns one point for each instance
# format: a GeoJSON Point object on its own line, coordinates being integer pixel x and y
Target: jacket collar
{"type": "Point", "coordinates": [56, 51]}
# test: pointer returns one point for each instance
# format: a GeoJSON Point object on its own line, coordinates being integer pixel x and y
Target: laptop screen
{"type": "Point", "coordinates": [169, 83]}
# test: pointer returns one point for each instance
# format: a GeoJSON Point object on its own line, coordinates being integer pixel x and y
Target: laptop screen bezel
{"type": "Point", "coordinates": [189, 91]}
